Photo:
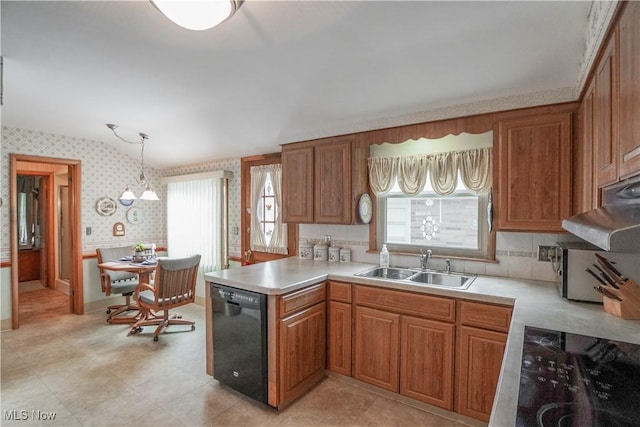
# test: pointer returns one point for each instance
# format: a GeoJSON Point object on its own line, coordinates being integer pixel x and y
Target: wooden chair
{"type": "Point", "coordinates": [174, 286]}
{"type": "Point", "coordinates": [118, 282]}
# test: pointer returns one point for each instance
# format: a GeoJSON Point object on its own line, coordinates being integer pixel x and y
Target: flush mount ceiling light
{"type": "Point", "coordinates": [198, 14]}
{"type": "Point", "coordinates": [148, 193]}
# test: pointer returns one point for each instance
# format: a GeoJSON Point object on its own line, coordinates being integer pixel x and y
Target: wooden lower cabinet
{"type": "Point", "coordinates": [302, 351]}
{"type": "Point", "coordinates": [480, 355]}
{"type": "Point", "coordinates": [376, 343]}
{"type": "Point", "coordinates": [426, 361]}
{"type": "Point", "coordinates": [405, 354]}
{"type": "Point", "coordinates": [28, 265]}
{"type": "Point", "coordinates": [339, 337]}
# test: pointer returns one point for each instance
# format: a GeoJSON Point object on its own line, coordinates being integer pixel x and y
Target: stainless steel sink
{"type": "Point", "coordinates": [419, 277]}
{"type": "Point", "coordinates": [387, 273]}
{"type": "Point", "coordinates": [449, 280]}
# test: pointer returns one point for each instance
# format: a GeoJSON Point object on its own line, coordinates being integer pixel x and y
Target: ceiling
{"type": "Point", "coordinates": [278, 71]}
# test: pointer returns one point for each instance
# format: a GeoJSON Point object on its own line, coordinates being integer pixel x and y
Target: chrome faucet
{"type": "Point", "coordinates": [447, 266]}
{"type": "Point", "coordinates": [425, 256]}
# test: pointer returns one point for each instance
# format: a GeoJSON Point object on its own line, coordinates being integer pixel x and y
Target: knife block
{"type": "Point", "coordinates": [629, 307]}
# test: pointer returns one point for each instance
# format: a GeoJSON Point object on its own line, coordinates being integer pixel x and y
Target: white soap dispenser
{"type": "Point", "coordinates": [384, 257]}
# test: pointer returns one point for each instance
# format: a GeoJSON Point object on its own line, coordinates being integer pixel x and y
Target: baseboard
{"type": "Point", "coordinates": [453, 416]}
{"type": "Point", "coordinates": [5, 324]}
{"type": "Point", "coordinates": [63, 286]}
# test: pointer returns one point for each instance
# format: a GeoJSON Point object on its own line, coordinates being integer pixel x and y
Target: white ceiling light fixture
{"type": "Point", "coordinates": [148, 193]}
{"type": "Point", "coordinates": [197, 15]}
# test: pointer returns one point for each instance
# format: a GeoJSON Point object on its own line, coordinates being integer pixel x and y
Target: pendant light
{"type": "Point", "coordinates": [197, 15]}
{"type": "Point", "coordinates": [148, 193]}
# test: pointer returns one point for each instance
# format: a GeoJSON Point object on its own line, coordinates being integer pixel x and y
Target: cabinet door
{"type": "Point", "coordinates": [333, 183]}
{"type": "Point", "coordinates": [339, 338]}
{"type": "Point", "coordinates": [584, 186]}
{"type": "Point", "coordinates": [297, 184]}
{"type": "Point", "coordinates": [480, 360]}
{"type": "Point", "coordinates": [534, 173]}
{"type": "Point", "coordinates": [605, 119]}
{"type": "Point", "coordinates": [376, 347]}
{"type": "Point", "coordinates": [629, 100]}
{"type": "Point", "coordinates": [426, 361]}
{"type": "Point", "coordinates": [302, 352]}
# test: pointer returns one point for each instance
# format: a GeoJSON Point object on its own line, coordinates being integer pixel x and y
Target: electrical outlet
{"type": "Point", "coordinates": [546, 253]}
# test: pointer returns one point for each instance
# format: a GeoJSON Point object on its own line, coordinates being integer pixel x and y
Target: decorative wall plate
{"type": "Point", "coordinates": [134, 216]}
{"type": "Point", "coordinates": [106, 206]}
{"type": "Point", "coordinates": [365, 208]}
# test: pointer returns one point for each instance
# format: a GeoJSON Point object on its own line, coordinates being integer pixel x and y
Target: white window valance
{"type": "Point", "coordinates": [473, 166]}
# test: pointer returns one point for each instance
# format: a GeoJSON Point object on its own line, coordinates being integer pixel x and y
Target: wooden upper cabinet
{"type": "Point", "coordinates": [332, 200]}
{"type": "Point", "coordinates": [297, 184]}
{"type": "Point", "coordinates": [584, 188]}
{"type": "Point", "coordinates": [629, 93]}
{"type": "Point", "coordinates": [322, 181]}
{"type": "Point", "coordinates": [605, 116]}
{"type": "Point", "coordinates": [533, 172]}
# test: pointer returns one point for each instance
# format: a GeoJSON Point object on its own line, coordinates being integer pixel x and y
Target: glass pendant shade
{"type": "Point", "coordinates": [149, 194]}
{"type": "Point", "coordinates": [127, 194]}
{"type": "Point", "coordinates": [199, 14]}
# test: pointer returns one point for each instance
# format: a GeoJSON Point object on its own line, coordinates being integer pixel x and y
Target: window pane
{"type": "Point", "coordinates": [268, 232]}
{"type": "Point", "coordinates": [269, 209]}
{"type": "Point", "coordinates": [433, 220]}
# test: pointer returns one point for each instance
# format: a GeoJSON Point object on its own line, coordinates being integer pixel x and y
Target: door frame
{"type": "Point", "coordinates": [74, 168]}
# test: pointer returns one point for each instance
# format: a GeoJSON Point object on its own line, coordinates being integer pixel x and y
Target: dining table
{"type": "Point", "coordinates": [142, 269]}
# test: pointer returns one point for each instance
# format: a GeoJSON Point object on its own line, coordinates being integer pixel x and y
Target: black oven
{"type": "Point", "coordinates": [575, 380]}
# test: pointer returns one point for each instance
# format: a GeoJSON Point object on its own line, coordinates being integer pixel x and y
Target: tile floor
{"type": "Point", "coordinates": [90, 373]}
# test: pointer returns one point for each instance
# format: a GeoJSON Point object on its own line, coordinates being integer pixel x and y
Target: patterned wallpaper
{"type": "Point", "coordinates": [105, 173]}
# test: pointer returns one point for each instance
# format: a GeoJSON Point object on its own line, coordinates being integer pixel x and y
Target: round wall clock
{"type": "Point", "coordinates": [134, 216]}
{"type": "Point", "coordinates": [106, 206]}
{"type": "Point", "coordinates": [365, 208]}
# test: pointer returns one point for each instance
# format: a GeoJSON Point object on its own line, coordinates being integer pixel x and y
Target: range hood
{"type": "Point", "coordinates": [616, 225]}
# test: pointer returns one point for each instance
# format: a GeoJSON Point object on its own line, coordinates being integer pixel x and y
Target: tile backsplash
{"type": "Point", "coordinates": [516, 253]}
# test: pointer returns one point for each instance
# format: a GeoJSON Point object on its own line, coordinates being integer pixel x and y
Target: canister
{"type": "Point", "coordinates": [305, 250]}
{"type": "Point", "coordinates": [334, 254]}
{"type": "Point", "coordinates": [345, 255]}
{"type": "Point", "coordinates": [320, 252]}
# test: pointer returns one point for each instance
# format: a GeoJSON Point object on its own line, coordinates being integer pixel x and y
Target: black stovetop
{"type": "Point", "coordinates": [575, 380]}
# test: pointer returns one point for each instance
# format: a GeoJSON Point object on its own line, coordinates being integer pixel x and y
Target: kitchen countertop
{"type": "Point", "coordinates": [535, 304]}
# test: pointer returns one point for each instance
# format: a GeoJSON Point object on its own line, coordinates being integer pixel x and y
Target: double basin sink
{"type": "Point", "coordinates": [420, 277]}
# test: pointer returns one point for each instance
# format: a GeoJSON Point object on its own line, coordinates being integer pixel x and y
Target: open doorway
{"type": "Point", "coordinates": [46, 256]}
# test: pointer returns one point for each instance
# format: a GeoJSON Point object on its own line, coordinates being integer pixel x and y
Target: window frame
{"type": "Point", "coordinates": [245, 217]}
{"type": "Point", "coordinates": [485, 235]}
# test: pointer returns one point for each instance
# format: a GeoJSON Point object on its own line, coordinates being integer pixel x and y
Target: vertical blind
{"type": "Point", "coordinates": [195, 220]}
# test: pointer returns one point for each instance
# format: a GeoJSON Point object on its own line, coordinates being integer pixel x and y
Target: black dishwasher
{"type": "Point", "coordinates": [240, 340]}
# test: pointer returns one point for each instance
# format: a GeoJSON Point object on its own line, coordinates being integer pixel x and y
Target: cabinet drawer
{"type": "Point", "coordinates": [486, 316]}
{"type": "Point", "coordinates": [299, 300]}
{"type": "Point", "coordinates": [406, 302]}
{"type": "Point", "coordinates": [339, 291]}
